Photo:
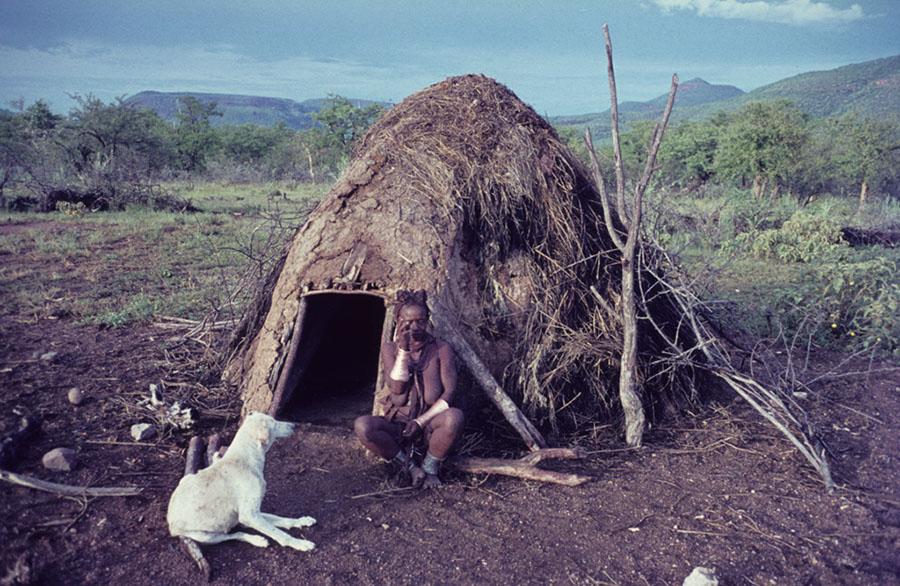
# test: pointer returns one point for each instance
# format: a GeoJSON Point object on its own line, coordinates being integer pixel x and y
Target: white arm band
{"type": "Point", "coordinates": [400, 371]}
{"type": "Point", "coordinates": [439, 407]}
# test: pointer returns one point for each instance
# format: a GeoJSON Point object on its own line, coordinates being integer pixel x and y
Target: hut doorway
{"type": "Point", "coordinates": [334, 373]}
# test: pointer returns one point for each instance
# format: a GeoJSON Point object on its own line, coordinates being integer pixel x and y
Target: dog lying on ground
{"type": "Point", "coordinates": [207, 505]}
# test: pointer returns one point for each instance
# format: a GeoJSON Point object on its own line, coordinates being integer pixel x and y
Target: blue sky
{"type": "Point", "coordinates": [549, 52]}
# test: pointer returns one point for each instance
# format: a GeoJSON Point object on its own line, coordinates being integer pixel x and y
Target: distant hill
{"type": "Point", "coordinates": [690, 93]}
{"type": "Point", "coordinates": [871, 89]}
{"type": "Point", "coordinates": [237, 110]}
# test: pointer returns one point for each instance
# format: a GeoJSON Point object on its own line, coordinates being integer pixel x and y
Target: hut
{"type": "Point", "coordinates": [464, 191]}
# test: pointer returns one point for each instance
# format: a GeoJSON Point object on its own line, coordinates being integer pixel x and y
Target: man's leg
{"type": "Point", "coordinates": [378, 435]}
{"type": "Point", "coordinates": [446, 429]}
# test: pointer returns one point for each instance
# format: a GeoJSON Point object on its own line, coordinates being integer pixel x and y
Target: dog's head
{"type": "Point", "coordinates": [265, 429]}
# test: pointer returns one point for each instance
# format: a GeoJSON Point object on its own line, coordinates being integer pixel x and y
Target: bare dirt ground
{"type": "Point", "coordinates": [716, 487]}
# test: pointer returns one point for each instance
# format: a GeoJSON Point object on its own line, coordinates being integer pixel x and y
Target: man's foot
{"type": "Point", "coordinates": [431, 481]}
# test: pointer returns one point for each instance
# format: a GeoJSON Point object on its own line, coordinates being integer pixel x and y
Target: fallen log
{"type": "Point", "coordinates": [525, 467]}
{"type": "Point", "coordinates": [66, 489]}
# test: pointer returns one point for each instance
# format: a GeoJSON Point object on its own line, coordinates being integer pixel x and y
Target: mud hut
{"type": "Point", "coordinates": [464, 191]}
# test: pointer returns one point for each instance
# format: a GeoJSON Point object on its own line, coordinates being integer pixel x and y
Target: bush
{"type": "Point", "coordinates": [805, 238]}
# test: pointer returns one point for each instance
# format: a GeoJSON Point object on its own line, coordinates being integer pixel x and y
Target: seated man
{"type": "Point", "coordinates": [422, 383]}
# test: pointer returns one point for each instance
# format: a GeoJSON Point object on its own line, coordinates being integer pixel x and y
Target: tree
{"type": "Point", "coordinates": [634, 144]}
{"type": "Point", "coordinates": [116, 140]}
{"type": "Point", "coordinates": [688, 153]}
{"type": "Point", "coordinates": [627, 310]}
{"type": "Point", "coordinates": [344, 122]}
{"type": "Point", "coordinates": [865, 150]}
{"type": "Point", "coordinates": [13, 147]}
{"type": "Point", "coordinates": [251, 143]}
{"type": "Point", "coordinates": [764, 142]}
{"type": "Point", "coordinates": [40, 120]}
{"type": "Point", "coordinates": [195, 138]}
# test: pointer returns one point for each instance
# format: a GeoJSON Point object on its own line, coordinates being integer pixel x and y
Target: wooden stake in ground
{"type": "Point", "coordinates": [629, 394]}
{"type": "Point", "coordinates": [193, 462]}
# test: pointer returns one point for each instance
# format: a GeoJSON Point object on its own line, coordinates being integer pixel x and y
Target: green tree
{"type": "Point", "coordinates": [40, 120]}
{"type": "Point", "coordinates": [195, 138]}
{"type": "Point", "coordinates": [865, 150]}
{"type": "Point", "coordinates": [687, 154]}
{"type": "Point", "coordinates": [764, 142]}
{"type": "Point", "coordinates": [114, 149]}
{"type": "Point", "coordinates": [251, 143]}
{"type": "Point", "coordinates": [572, 136]}
{"type": "Point", "coordinates": [345, 123]}
{"type": "Point", "coordinates": [13, 148]}
{"type": "Point", "coordinates": [339, 124]}
{"type": "Point", "coordinates": [635, 144]}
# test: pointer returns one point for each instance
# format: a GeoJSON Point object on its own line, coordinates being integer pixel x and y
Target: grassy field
{"type": "Point", "coordinates": [134, 266]}
{"type": "Point", "coordinates": [130, 266]}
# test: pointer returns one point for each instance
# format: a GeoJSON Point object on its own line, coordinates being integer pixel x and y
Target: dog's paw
{"type": "Point", "coordinates": [302, 545]}
{"type": "Point", "coordinates": [257, 540]}
{"type": "Point", "coordinates": [304, 522]}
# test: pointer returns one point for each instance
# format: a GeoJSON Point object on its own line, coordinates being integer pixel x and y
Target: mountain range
{"type": "Point", "coordinates": [871, 89]}
{"type": "Point", "coordinates": [237, 110]}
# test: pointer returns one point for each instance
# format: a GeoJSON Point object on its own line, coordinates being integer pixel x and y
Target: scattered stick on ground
{"type": "Point", "coordinates": [525, 467]}
{"type": "Point", "coordinates": [68, 490]}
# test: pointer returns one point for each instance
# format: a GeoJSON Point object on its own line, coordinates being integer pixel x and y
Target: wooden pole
{"type": "Point", "coordinates": [533, 438]}
{"type": "Point", "coordinates": [287, 378]}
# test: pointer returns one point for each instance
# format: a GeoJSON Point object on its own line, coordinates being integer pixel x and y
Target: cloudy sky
{"type": "Point", "coordinates": [550, 52]}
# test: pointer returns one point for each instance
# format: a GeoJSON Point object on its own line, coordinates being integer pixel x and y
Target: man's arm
{"type": "Point", "coordinates": [388, 359]}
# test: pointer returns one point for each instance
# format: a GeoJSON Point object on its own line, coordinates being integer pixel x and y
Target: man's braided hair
{"type": "Point", "coordinates": [405, 298]}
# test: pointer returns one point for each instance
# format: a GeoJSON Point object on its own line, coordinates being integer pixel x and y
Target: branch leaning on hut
{"type": "Point", "coordinates": [775, 406]}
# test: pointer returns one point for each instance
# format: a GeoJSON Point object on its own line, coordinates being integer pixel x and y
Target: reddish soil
{"type": "Point", "coordinates": [717, 487]}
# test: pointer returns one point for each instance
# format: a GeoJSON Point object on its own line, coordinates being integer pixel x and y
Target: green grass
{"type": "Point", "coordinates": [833, 295]}
{"type": "Point", "coordinates": [119, 268]}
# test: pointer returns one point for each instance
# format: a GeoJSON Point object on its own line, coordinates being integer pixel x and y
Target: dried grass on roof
{"type": "Point", "coordinates": [476, 150]}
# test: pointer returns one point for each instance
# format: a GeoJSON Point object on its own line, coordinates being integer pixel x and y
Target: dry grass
{"type": "Point", "coordinates": [486, 159]}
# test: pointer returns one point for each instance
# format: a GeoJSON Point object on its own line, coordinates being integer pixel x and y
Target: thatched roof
{"type": "Point", "coordinates": [465, 191]}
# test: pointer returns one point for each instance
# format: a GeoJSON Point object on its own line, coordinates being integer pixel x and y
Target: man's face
{"type": "Point", "coordinates": [415, 317]}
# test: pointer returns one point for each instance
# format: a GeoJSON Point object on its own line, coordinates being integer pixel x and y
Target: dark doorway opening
{"type": "Point", "coordinates": [336, 367]}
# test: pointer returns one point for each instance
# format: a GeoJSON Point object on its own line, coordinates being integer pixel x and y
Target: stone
{"type": "Point", "coordinates": [49, 356]}
{"type": "Point", "coordinates": [75, 396]}
{"type": "Point", "coordinates": [142, 431]}
{"type": "Point", "coordinates": [701, 577]}
{"type": "Point", "coordinates": [60, 459]}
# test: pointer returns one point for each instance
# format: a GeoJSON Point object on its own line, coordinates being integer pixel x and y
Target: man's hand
{"type": "Point", "coordinates": [412, 430]}
{"type": "Point", "coordinates": [403, 335]}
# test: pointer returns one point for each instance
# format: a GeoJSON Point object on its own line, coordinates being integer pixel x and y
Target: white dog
{"type": "Point", "coordinates": [207, 505]}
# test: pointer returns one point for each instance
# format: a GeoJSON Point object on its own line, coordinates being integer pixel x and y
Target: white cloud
{"type": "Point", "coordinates": [795, 12]}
